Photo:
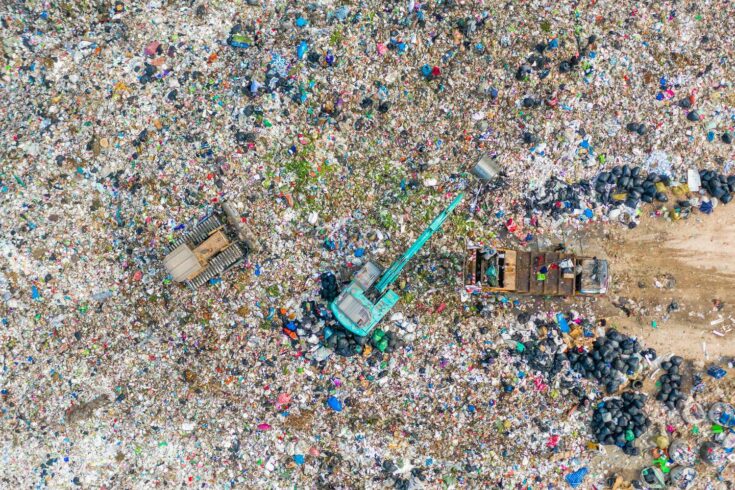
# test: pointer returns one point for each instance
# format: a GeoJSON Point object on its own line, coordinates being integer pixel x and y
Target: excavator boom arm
{"type": "Point", "coordinates": [391, 274]}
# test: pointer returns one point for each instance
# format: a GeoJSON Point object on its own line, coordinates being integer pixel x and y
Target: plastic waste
{"type": "Point", "coordinates": [576, 478]}
{"type": "Point", "coordinates": [334, 404]}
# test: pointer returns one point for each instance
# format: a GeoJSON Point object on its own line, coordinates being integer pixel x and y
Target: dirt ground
{"type": "Point", "coordinates": [690, 262]}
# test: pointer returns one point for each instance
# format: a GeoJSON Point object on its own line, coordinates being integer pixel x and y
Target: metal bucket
{"type": "Point", "coordinates": [486, 169]}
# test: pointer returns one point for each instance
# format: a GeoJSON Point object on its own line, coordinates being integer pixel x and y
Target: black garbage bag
{"type": "Point", "coordinates": [329, 289]}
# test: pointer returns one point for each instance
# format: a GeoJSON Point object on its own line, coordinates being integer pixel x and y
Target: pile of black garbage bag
{"type": "Point", "coordinates": [619, 421]}
{"type": "Point", "coordinates": [670, 394]}
{"type": "Point", "coordinates": [613, 357]}
{"type": "Point", "coordinates": [557, 197]}
{"type": "Point", "coordinates": [632, 183]}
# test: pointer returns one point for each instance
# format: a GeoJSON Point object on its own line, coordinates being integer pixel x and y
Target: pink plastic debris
{"type": "Point", "coordinates": [552, 441]}
{"type": "Point", "coordinates": [282, 400]}
{"type": "Point", "coordinates": [151, 49]}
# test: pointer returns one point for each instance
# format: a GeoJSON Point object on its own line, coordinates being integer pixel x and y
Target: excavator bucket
{"type": "Point", "coordinates": [486, 169]}
{"type": "Point", "coordinates": [243, 230]}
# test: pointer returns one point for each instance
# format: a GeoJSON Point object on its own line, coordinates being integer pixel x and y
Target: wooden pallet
{"type": "Point", "coordinates": [509, 280]}
{"type": "Point", "coordinates": [551, 284]}
{"type": "Point", "coordinates": [471, 269]}
{"type": "Point", "coordinates": [523, 272]}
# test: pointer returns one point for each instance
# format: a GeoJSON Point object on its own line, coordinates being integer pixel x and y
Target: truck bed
{"type": "Point", "coordinates": [518, 273]}
{"type": "Point", "coordinates": [551, 284]}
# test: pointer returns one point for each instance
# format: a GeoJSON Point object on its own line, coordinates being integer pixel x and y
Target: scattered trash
{"type": "Point", "coordinates": [716, 372]}
{"type": "Point", "coordinates": [270, 154]}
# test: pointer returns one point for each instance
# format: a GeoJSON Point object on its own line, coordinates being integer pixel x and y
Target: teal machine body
{"type": "Point", "coordinates": [368, 298]}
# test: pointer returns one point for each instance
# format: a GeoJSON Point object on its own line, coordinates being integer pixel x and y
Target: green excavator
{"type": "Point", "coordinates": [368, 298]}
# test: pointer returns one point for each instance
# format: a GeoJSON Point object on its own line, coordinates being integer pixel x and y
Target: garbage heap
{"type": "Point", "coordinates": [334, 126]}
{"type": "Point", "coordinates": [620, 421]}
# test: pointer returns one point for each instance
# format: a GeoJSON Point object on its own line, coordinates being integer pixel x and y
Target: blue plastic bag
{"type": "Point", "coordinates": [301, 50]}
{"type": "Point", "coordinates": [575, 479]}
{"type": "Point", "coordinates": [716, 372]}
{"type": "Point", "coordinates": [334, 404]}
{"type": "Point", "coordinates": [563, 324]}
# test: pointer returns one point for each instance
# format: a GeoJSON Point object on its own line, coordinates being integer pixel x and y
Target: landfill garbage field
{"type": "Point", "coordinates": [361, 244]}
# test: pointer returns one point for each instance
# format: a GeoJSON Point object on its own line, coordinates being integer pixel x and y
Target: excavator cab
{"type": "Point", "coordinates": [356, 308]}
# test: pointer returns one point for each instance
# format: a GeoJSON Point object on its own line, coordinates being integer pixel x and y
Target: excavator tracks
{"type": "Point", "coordinates": [197, 234]}
{"type": "Point", "coordinates": [219, 264]}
